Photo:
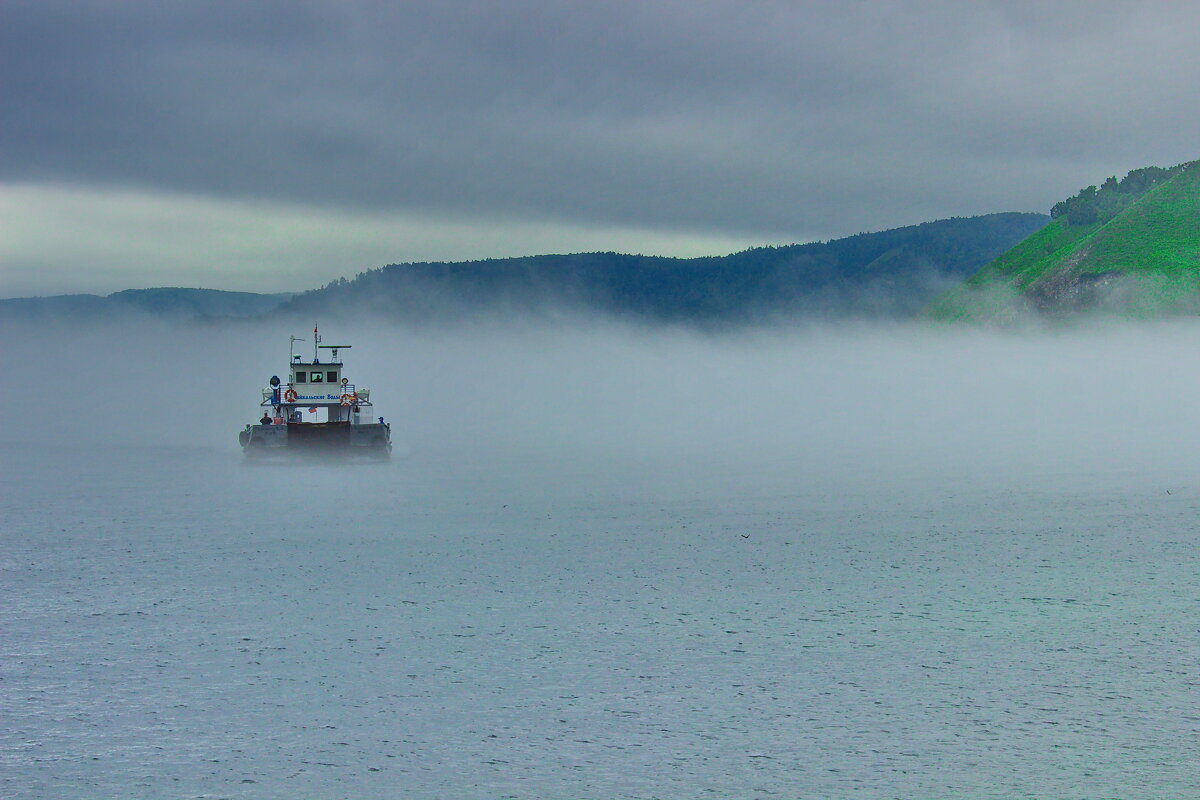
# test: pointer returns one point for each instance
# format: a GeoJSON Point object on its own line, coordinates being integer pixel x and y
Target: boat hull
{"type": "Point", "coordinates": [372, 439]}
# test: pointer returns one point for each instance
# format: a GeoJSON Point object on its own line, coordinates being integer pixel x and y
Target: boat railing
{"type": "Point", "coordinates": [363, 395]}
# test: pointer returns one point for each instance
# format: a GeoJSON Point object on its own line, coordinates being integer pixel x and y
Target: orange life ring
{"type": "Point", "coordinates": [289, 396]}
{"type": "Point", "coordinates": [348, 399]}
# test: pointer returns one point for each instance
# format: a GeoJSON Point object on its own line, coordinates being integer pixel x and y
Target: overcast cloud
{"type": "Point", "coordinates": [282, 144]}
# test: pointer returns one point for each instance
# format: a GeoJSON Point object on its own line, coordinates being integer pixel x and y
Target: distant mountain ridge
{"type": "Point", "coordinates": [166, 301]}
{"type": "Point", "coordinates": [1129, 246]}
{"type": "Point", "coordinates": [893, 273]}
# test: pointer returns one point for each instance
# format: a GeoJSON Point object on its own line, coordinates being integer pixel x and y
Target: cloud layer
{"type": "Point", "coordinates": [720, 121]}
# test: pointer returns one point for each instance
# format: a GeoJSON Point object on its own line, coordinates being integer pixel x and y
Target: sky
{"type": "Point", "coordinates": [275, 146]}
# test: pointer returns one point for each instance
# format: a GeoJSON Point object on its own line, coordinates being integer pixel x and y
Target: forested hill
{"type": "Point", "coordinates": [892, 273]}
{"type": "Point", "coordinates": [167, 302]}
{"type": "Point", "coordinates": [1129, 246]}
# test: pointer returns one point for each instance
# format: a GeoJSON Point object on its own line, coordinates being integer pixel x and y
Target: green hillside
{"type": "Point", "coordinates": [1131, 246]}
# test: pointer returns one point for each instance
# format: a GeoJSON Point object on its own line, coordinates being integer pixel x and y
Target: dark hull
{"type": "Point", "coordinates": [374, 440]}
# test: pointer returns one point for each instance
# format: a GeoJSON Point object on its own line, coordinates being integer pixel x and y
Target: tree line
{"type": "Point", "coordinates": [1099, 205]}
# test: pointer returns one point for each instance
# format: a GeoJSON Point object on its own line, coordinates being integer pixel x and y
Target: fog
{"type": "Point", "coordinates": [605, 560]}
{"type": "Point", "coordinates": [877, 397]}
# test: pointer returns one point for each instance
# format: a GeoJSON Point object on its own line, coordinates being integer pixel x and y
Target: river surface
{"type": "Point", "coordinates": [180, 624]}
{"type": "Point", "coordinates": [895, 573]}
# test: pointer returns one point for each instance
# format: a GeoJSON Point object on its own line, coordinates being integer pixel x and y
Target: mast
{"type": "Point", "coordinates": [316, 342]}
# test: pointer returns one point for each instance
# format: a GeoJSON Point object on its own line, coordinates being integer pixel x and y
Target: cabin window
{"type": "Point", "coordinates": [331, 377]}
{"type": "Point", "coordinates": [314, 377]}
{"type": "Point", "coordinates": [300, 376]}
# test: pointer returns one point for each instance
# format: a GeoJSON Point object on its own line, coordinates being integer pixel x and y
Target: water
{"type": "Point", "coordinates": [685, 618]}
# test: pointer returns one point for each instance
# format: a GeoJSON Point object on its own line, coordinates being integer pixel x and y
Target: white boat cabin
{"type": "Point", "coordinates": [316, 391]}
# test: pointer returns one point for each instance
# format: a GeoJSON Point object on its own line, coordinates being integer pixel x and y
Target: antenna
{"type": "Point", "coordinates": [316, 342]}
{"type": "Point", "coordinates": [292, 348]}
{"type": "Point", "coordinates": [334, 348]}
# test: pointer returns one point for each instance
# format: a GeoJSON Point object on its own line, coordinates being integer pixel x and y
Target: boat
{"type": "Point", "coordinates": [316, 410]}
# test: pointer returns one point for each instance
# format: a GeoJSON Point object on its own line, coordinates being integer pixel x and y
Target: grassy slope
{"type": "Point", "coordinates": [990, 292]}
{"type": "Point", "coordinates": [1157, 238]}
{"type": "Point", "coordinates": [1159, 233]}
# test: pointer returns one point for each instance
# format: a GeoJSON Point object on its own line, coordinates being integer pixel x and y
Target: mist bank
{"type": "Point", "coordinates": [828, 399]}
